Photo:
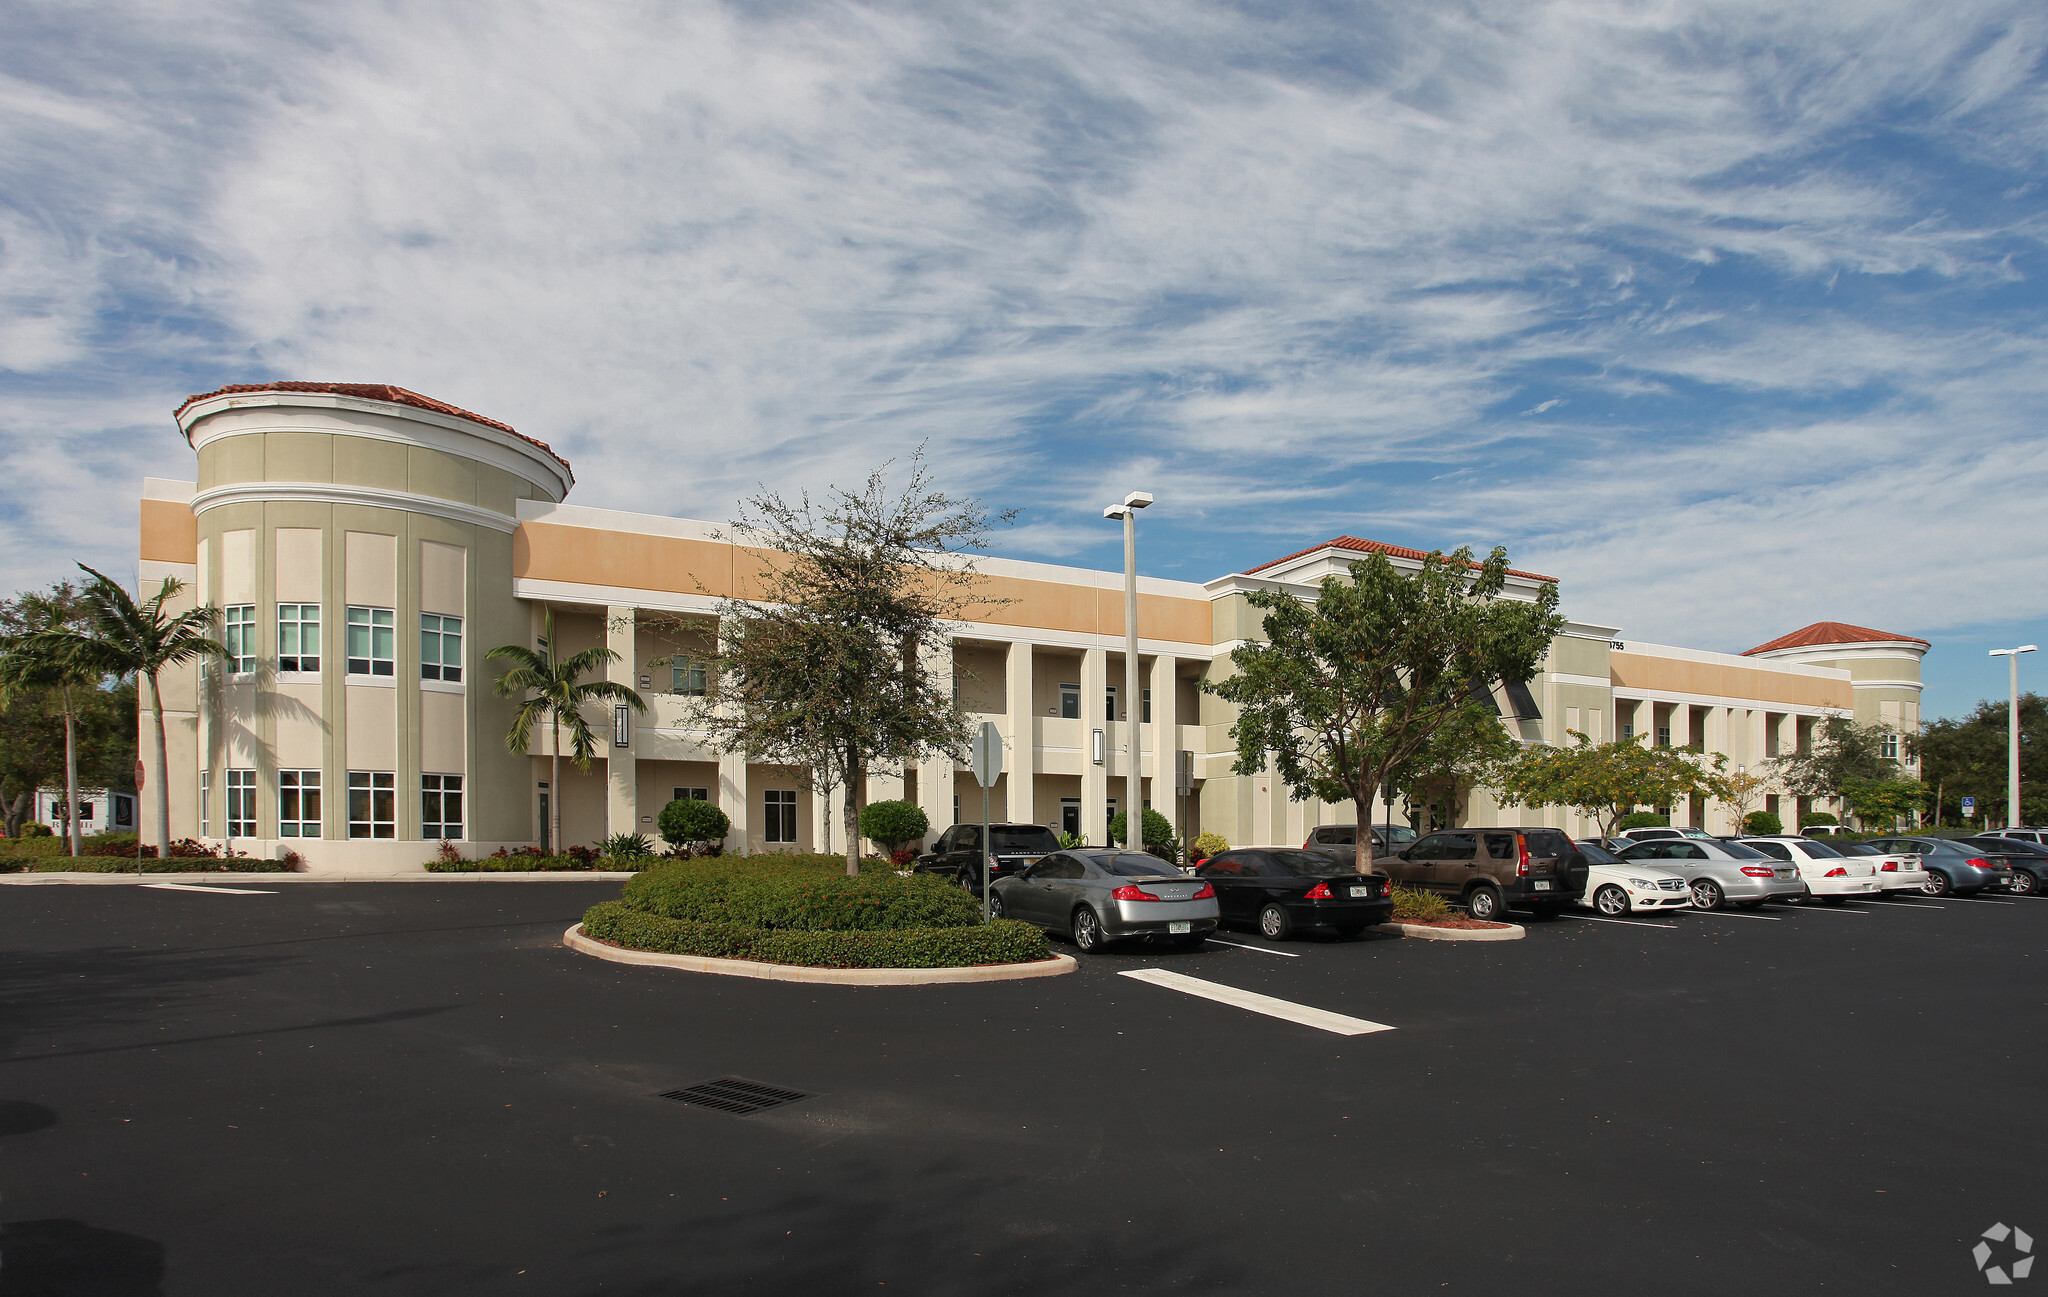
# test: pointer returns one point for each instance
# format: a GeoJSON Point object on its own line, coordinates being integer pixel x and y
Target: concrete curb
{"type": "Point", "coordinates": [1054, 967]}
{"type": "Point", "coordinates": [116, 880]}
{"type": "Point", "coordinates": [1512, 932]}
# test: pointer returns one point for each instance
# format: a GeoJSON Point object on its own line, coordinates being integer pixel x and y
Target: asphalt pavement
{"type": "Point", "coordinates": [415, 1089]}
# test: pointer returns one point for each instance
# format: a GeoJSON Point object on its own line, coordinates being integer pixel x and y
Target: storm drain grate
{"type": "Point", "coordinates": [730, 1094]}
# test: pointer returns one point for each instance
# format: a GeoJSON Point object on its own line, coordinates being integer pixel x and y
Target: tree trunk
{"type": "Point", "coordinates": [70, 773]}
{"type": "Point", "coordinates": [17, 810]}
{"type": "Point", "coordinates": [856, 801]}
{"type": "Point", "coordinates": [163, 762]}
{"type": "Point", "coordinates": [1361, 837]}
{"type": "Point", "coordinates": [555, 784]}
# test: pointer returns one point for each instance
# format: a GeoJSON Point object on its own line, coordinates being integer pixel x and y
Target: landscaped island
{"type": "Point", "coordinates": [804, 910]}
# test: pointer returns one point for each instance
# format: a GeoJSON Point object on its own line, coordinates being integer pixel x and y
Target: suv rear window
{"type": "Point", "coordinates": [1548, 842]}
{"type": "Point", "coordinates": [1023, 839]}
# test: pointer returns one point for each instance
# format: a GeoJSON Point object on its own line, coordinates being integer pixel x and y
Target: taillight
{"type": "Point", "coordinates": [1757, 871]}
{"type": "Point", "coordinates": [1890, 867]}
{"type": "Point", "coordinates": [1975, 862]}
{"type": "Point", "coordinates": [1207, 893]}
{"type": "Point", "coordinates": [1836, 873]}
{"type": "Point", "coordinates": [1320, 892]}
{"type": "Point", "coordinates": [1522, 851]}
{"type": "Point", "coordinates": [1305, 841]}
{"type": "Point", "coordinates": [1129, 893]}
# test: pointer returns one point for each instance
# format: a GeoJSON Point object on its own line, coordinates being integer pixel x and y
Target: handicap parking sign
{"type": "Point", "coordinates": [1969, 806]}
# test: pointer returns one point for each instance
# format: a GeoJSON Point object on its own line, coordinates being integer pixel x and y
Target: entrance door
{"type": "Point", "coordinates": [1070, 815]}
{"type": "Point", "coordinates": [547, 823]}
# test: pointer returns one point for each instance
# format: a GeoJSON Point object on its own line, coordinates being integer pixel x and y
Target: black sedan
{"type": "Point", "coordinates": [2029, 861]}
{"type": "Point", "coordinates": [1280, 889]}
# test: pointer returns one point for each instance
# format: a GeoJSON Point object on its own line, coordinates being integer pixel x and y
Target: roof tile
{"type": "Point", "coordinates": [372, 392]}
{"type": "Point", "coordinates": [1375, 547]}
{"type": "Point", "coordinates": [1833, 632]}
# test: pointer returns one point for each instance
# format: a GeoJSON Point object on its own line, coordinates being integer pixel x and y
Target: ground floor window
{"type": "Point", "coordinates": [241, 803]}
{"type": "Point", "coordinates": [206, 803]}
{"type": "Point", "coordinates": [440, 807]}
{"type": "Point", "coordinates": [692, 795]}
{"type": "Point", "coordinates": [372, 804]}
{"type": "Point", "coordinates": [298, 803]}
{"type": "Point", "coordinates": [779, 822]}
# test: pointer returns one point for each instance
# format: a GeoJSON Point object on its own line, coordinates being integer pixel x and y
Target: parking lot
{"type": "Point", "coordinates": [413, 1088]}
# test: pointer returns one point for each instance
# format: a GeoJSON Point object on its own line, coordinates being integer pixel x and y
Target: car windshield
{"type": "Point", "coordinates": [1024, 839]}
{"type": "Point", "coordinates": [1598, 855]}
{"type": "Point", "coordinates": [1820, 850]}
{"type": "Point", "coordinates": [2011, 846]}
{"type": "Point", "coordinates": [1740, 852]}
{"type": "Point", "coordinates": [1310, 863]}
{"type": "Point", "coordinates": [1133, 865]}
{"type": "Point", "coordinates": [1851, 848]}
{"type": "Point", "coordinates": [1399, 835]}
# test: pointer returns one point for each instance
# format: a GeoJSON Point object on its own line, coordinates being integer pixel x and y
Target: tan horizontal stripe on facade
{"type": "Point", "coordinates": [1677, 676]}
{"type": "Point", "coordinates": [170, 532]}
{"type": "Point", "coordinates": [543, 551]}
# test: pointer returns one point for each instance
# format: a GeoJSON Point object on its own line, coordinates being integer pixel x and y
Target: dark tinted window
{"type": "Point", "coordinates": [1855, 849]}
{"type": "Point", "coordinates": [1056, 867]}
{"type": "Point", "coordinates": [1545, 843]}
{"type": "Point", "coordinates": [1025, 839]}
{"type": "Point", "coordinates": [1647, 851]}
{"type": "Point", "coordinates": [1816, 850]}
{"type": "Point", "coordinates": [1598, 855]}
{"type": "Point", "coordinates": [1398, 834]}
{"type": "Point", "coordinates": [1305, 862]}
{"type": "Point", "coordinates": [1457, 846]}
{"type": "Point", "coordinates": [1337, 835]}
{"type": "Point", "coordinates": [1737, 850]}
{"type": "Point", "coordinates": [1134, 865]}
{"type": "Point", "coordinates": [2014, 846]}
{"type": "Point", "coordinates": [1775, 850]}
{"type": "Point", "coordinates": [1228, 865]}
{"type": "Point", "coordinates": [1674, 849]}
{"type": "Point", "coordinates": [1501, 846]}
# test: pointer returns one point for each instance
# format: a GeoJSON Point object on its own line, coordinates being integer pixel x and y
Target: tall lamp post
{"type": "Point", "coordinates": [2012, 725]}
{"type": "Point", "coordinates": [1134, 802]}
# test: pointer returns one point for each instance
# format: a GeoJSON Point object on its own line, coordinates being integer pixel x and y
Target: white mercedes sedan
{"type": "Point", "coordinates": [1829, 875]}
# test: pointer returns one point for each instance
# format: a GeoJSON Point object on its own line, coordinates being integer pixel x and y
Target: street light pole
{"type": "Point", "coordinates": [2012, 725]}
{"type": "Point", "coordinates": [1134, 804]}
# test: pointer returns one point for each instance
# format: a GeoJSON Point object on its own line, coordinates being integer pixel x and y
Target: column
{"type": "Point", "coordinates": [1094, 778]}
{"type": "Point", "coordinates": [1162, 738]}
{"type": "Point", "coordinates": [622, 786]}
{"type": "Point", "coordinates": [732, 798]}
{"type": "Point", "coordinates": [1020, 760]}
{"type": "Point", "coordinates": [935, 772]}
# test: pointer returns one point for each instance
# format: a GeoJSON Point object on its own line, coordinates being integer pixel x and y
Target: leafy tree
{"type": "Point", "coordinates": [555, 693]}
{"type": "Point", "coordinates": [1841, 751]}
{"type": "Point", "coordinates": [687, 822]}
{"type": "Point", "coordinates": [1642, 820]}
{"type": "Point", "coordinates": [893, 823]}
{"type": "Point", "coordinates": [1348, 689]}
{"type": "Point", "coordinates": [115, 635]}
{"type": "Point", "coordinates": [1814, 818]}
{"type": "Point", "coordinates": [1609, 780]}
{"type": "Point", "coordinates": [822, 669]}
{"type": "Point", "coordinates": [1966, 757]}
{"type": "Point", "coordinates": [1470, 751]}
{"type": "Point", "coordinates": [31, 751]}
{"type": "Point", "coordinates": [1762, 824]}
{"type": "Point", "coordinates": [1742, 789]}
{"type": "Point", "coordinates": [1882, 801]}
{"type": "Point", "coordinates": [1159, 836]}
{"type": "Point", "coordinates": [50, 665]}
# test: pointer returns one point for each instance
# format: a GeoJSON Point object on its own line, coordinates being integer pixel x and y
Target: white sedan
{"type": "Point", "coordinates": [1618, 888]}
{"type": "Point", "coordinates": [1897, 871]}
{"type": "Point", "coordinates": [1829, 875]}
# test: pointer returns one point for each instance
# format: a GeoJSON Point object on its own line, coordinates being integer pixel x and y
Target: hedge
{"type": "Point", "coordinates": [809, 894]}
{"type": "Point", "coordinates": [538, 864]}
{"type": "Point", "coordinates": [1005, 941]}
{"type": "Point", "coordinates": [1642, 820]}
{"type": "Point", "coordinates": [177, 865]}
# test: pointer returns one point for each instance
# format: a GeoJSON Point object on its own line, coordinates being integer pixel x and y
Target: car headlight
{"type": "Point", "coordinates": [1642, 884]}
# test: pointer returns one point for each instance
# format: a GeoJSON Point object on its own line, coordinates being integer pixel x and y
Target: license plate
{"type": "Point", "coordinates": [1182, 926]}
{"type": "Point", "coordinates": [1542, 884]}
{"type": "Point", "coordinates": [1358, 892]}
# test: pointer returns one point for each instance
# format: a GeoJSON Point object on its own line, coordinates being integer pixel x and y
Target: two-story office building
{"type": "Point", "coordinates": [368, 546]}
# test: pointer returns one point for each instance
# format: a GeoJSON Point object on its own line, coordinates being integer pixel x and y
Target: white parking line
{"type": "Point", "coordinates": [1633, 923]}
{"type": "Point", "coordinates": [1261, 949]}
{"type": "Point", "coordinates": [1827, 909]}
{"type": "Point", "coordinates": [1978, 900]}
{"type": "Point", "coordinates": [1320, 1019]}
{"type": "Point", "coordinates": [1723, 914]}
{"type": "Point", "coordinates": [194, 887]}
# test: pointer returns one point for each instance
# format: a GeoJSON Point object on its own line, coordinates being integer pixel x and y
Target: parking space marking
{"type": "Point", "coordinates": [1261, 949]}
{"type": "Point", "coordinates": [194, 887]}
{"type": "Point", "coordinates": [1828, 909]}
{"type": "Point", "coordinates": [1978, 900]}
{"type": "Point", "coordinates": [1320, 1019]}
{"type": "Point", "coordinates": [1633, 923]}
{"type": "Point", "coordinates": [1723, 914]}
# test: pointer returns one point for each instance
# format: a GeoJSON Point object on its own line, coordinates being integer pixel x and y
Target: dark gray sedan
{"type": "Point", "coordinates": [1094, 897]}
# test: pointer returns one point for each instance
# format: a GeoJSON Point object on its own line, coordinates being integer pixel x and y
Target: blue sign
{"type": "Point", "coordinates": [1969, 806]}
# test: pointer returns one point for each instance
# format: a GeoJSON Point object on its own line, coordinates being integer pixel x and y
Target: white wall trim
{"type": "Point", "coordinates": [1626, 694]}
{"type": "Point", "coordinates": [344, 493]}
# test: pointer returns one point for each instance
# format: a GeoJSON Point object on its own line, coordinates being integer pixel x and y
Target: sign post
{"type": "Point", "coordinates": [1969, 810]}
{"type": "Point", "coordinates": [987, 764]}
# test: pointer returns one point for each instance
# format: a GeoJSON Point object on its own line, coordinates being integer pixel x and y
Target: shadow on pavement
{"type": "Point", "coordinates": [68, 1258]}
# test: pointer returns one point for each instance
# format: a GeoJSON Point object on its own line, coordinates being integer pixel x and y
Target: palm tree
{"type": "Point", "coordinates": [555, 692]}
{"type": "Point", "coordinates": [26, 665]}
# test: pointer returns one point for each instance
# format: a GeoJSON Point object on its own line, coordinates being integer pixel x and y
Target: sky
{"type": "Point", "coordinates": [1728, 314]}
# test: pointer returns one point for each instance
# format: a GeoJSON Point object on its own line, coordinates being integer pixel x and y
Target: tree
{"type": "Point", "coordinates": [1883, 801]}
{"type": "Point", "coordinates": [1159, 839]}
{"type": "Point", "coordinates": [31, 748]}
{"type": "Point", "coordinates": [1470, 751]}
{"type": "Point", "coordinates": [1841, 751]}
{"type": "Point", "coordinates": [1352, 687]}
{"type": "Point", "coordinates": [117, 636]}
{"type": "Point", "coordinates": [1742, 789]}
{"type": "Point", "coordinates": [1966, 757]}
{"type": "Point", "coordinates": [893, 823]}
{"type": "Point", "coordinates": [555, 693]}
{"type": "Point", "coordinates": [28, 664]}
{"type": "Point", "coordinates": [687, 822]}
{"type": "Point", "coordinates": [822, 670]}
{"type": "Point", "coordinates": [1609, 780]}
{"type": "Point", "coordinates": [1762, 824]}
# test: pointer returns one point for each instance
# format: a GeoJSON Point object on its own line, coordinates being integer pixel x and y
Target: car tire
{"type": "Point", "coordinates": [1274, 925]}
{"type": "Point", "coordinates": [1707, 894]}
{"type": "Point", "coordinates": [1483, 903]}
{"type": "Point", "coordinates": [1610, 900]}
{"type": "Point", "coordinates": [1937, 884]}
{"type": "Point", "coordinates": [1087, 929]}
{"type": "Point", "coordinates": [2024, 883]}
{"type": "Point", "coordinates": [995, 904]}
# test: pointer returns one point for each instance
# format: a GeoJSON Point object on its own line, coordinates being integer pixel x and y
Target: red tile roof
{"type": "Point", "coordinates": [1834, 632]}
{"type": "Point", "coordinates": [372, 392]}
{"type": "Point", "coordinates": [1374, 547]}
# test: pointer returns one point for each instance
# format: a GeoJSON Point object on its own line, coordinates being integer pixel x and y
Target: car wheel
{"type": "Point", "coordinates": [1274, 924]}
{"type": "Point", "coordinates": [995, 904]}
{"type": "Point", "coordinates": [1937, 884]}
{"type": "Point", "coordinates": [1483, 902]}
{"type": "Point", "coordinates": [1088, 932]}
{"type": "Point", "coordinates": [1610, 900]}
{"type": "Point", "coordinates": [2024, 883]}
{"type": "Point", "coordinates": [1707, 894]}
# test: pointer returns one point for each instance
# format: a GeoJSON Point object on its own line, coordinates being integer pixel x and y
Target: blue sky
{"type": "Point", "coordinates": [1728, 314]}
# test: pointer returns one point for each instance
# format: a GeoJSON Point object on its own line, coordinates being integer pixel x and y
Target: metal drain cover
{"type": "Point", "coordinates": [730, 1094]}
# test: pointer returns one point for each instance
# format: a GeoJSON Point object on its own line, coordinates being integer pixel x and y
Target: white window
{"type": "Point", "coordinates": [372, 804]}
{"type": "Point", "coordinates": [238, 633]}
{"type": "Point", "coordinates": [1889, 746]}
{"type": "Point", "coordinates": [692, 795]}
{"type": "Point", "coordinates": [1628, 729]}
{"type": "Point", "coordinates": [686, 676]}
{"type": "Point", "coordinates": [1663, 736]}
{"type": "Point", "coordinates": [1070, 702]}
{"type": "Point", "coordinates": [241, 803]}
{"type": "Point", "coordinates": [440, 647]}
{"type": "Point", "coordinates": [206, 803]}
{"type": "Point", "coordinates": [298, 637]}
{"type": "Point", "coordinates": [298, 803]}
{"type": "Point", "coordinates": [779, 823]}
{"type": "Point", "coordinates": [440, 807]}
{"type": "Point", "coordinates": [372, 642]}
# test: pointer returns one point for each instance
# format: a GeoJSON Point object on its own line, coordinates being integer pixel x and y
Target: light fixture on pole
{"type": "Point", "coordinates": [1134, 802]}
{"type": "Point", "coordinates": [2012, 754]}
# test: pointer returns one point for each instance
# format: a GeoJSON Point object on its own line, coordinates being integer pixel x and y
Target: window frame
{"type": "Point", "coordinates": [372, 783]}
{"type": "Point", "coordinates": [778, 811]}
{"type": "Point", "coordinates": [436, 793]}
{"type": "Point", "coordinates": [293, 795]}
{"type": "Point", "coordinates": [687, 677]}
{"type": "Point", "coordinates": [241, 803]}
{"type": "Point", "coordinates": [438, 635]}
{"type": "Point", "coordinates": [294, 662]}
{"type": "Point", "coordinates": [373, 665]}
{"type": "Point", "coordinates": [238, 637]}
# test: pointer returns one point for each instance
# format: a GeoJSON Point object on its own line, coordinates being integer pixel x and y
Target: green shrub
{"type": "Point", "coordinates": [686, 821]}
{"type": "Point", "coordinates": [31, 829]}
{"type": "Point", "coordinates": [1416, 904]}
{"type": "Point", "coordinates": [1812, 818]}
{"type": "Point", "coordinates": [1005, 941]}
{"type": "Point", "coordinates": [1763, 824]}
{"type": "Point", "coordinates": [1159, 836]}
{"type": "Point", "coordinates": [1068, 841]}
{"type": "Point", "coordinates": [41, 846]}
{"type": "Point", "coordinates": [176, 865]}
{"type": "Point", "coordinates": [893, 823]}
{"type": "Point", "coordinates": [1642, 820]}
{"type": "Point", "coordinates": [626, 846]}
{"type": "Point", "coordinates": [794, 893]}
{"type": "Point", "coordinates": [535, 863]}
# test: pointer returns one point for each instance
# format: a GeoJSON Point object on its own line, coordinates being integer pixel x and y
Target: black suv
{"type": "Point", "coordinates": [958, 852]}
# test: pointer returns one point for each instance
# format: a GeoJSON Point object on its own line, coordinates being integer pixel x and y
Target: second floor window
{"type": "Point", "coordinates": [372, 642]}
{"type": "Point", "coordinates": [238, 632]}
{"type": "Point", "coordinates": [440, 647]}
{"type": "Point", "coordinates": [1890, 746]}
{"type": "Point", "coordinates": [298, 637]}
{"type": "Point", "coordinates": [1663, 736]}
{"type": "Point", "coordinates": [686, 676]}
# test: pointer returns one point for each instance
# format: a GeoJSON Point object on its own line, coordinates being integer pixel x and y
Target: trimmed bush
{"type": "Point", "coordinates": [1812, 818]}
{"type": "Point", "coordinates": [1762, 824]}
{"type": "Point", "coordinates": [893, 823]}
{"type": "Point", "coordinates": [1208, 844]}
{"type": "Point", "coordinates": [1158, 831]}
{"type": "Point", "coordinates": [686, 821]}
{"type": "Point", "coordinates": [799, 893]}
{"type": "Point", "coordinates": [33, 829]}
{"type": "Point", "coordinates": [23, 848]}
{"type": "Point", "coordinates": [537, 863]}
{"type": "Point", "coordinates": [150, 865]}
{"type": "Point", "coordinates": [1642, 820]}
{"type": "Point", "coordinates": [1005, 941]}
